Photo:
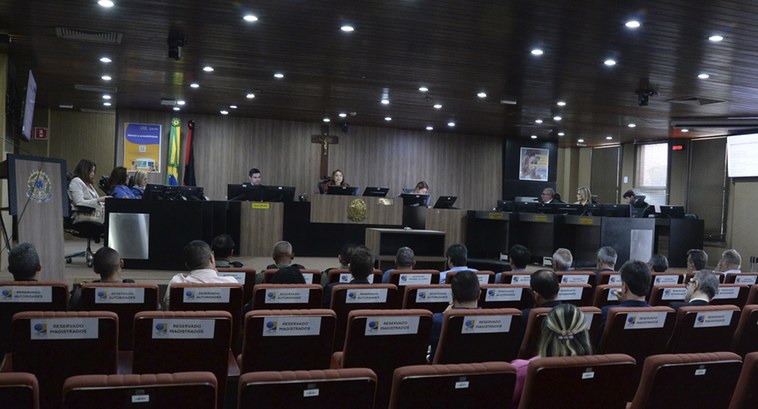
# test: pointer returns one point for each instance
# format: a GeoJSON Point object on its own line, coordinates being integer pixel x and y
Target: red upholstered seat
{"type": "Point", "coordinates": [745, 393]}
{"type": "Point", "coordinates": [604, 295]}
{"type": "Point", "coordinates": [244, 276]}
{"type": "Point", "coordinates": [287, 296]}
{"type": "Point", "coordinates": [663, 295]}
{"type": "Point", "coordinates": [19, 390]}
{"type": "Point", "coordinates": [533, 332]}
{"type": "Point", "coordinates": [741, 278]}
{"type": "Point", "coordinates": [515, 277]}
{"type": "Point", "coordinates": [577, 294]}
{"type": "Point", "coordinates": [731, 294]}
{"type": "Point", "coordinates": [402, 278]}
{"type": "Point", "coordinates": [517, 296]}
{"type": "Point", "coordinates": [746, 335]}
{"type": "Point", "coordinates": [704, 329]}
{"type": "Point", "coordinates": [432, 297]}
{"type": "Point", "coordinates": [19, 296]}
{"type": "Point", "coordinates": [479, 335]}
{"type": "Point", "coordinates": [340, 275]}
{"type": "Point", "coordinates": [577, 277]}
{"type": "Point", "coordinates": [311, 276]}
{"type": "Point", "coordinates": [350, 297]}
{"type": "Point", "coordinates": [485, 277]}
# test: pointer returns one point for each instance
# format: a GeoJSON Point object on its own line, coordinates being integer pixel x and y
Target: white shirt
{"type": "Point", "coordinates": [737, 271]}
{"type": "Point", "coordinates": [454, 269]}
{"type": "Point", "coordinates": [201, 276]}
{"type": "Point", "coordinates": [82, 194]}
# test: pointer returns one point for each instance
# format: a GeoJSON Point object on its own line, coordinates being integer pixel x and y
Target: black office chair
{"type": "Point", "coordinates": [83, 229]}
{"type": "Point", "coordinates": [103, 185]}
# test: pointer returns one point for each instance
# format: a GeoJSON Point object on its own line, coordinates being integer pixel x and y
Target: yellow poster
{"type": "Point", "coordinates": [142, 147]}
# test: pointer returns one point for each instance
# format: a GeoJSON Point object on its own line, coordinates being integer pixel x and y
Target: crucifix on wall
{"type": "Point", "coordinates": [324, 140]}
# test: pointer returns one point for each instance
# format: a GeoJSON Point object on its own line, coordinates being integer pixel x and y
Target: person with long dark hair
{"type": "Point", "coordinates": [117, 184]}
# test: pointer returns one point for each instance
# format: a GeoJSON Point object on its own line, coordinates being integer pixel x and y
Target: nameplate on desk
{"type": "Point", "coordinates": [429, 295]}
{"type": "Point", "coordinates": [287, 296]}
{"type": "Point", "coordinates": [291, 326]}
{"type": "Point", "coordinates": [674, 293]}
{"type": "Point", "coordinates": [64, 328]}
{"type": "Point", "coordinates": [667, 279]}
{"type": "Point", "coordinates": [643, 320]}
{"type": "Point", "coordinates": [586, 221]}
{"type": "Point", "coordinates": [486, 324]}
{"type": "Point", "coordinates": [707, 319]}
{"type": "Point", "coordinates": [495, 216]}
{"type": "Point", "coordinates": [119, 295]}
{"type": "Point", "coordinates": [727, 293]}
{"type": "Point", "coordinates": [570, 293]}
{"type": "Point", "coordinates": [366, 295]}
{"type": "Point", "coordinates": [521, 279]}
{"type": "Point", "coordinates": [504, 294]}
{"type": "Point", "coordinates": [575, 279]}
{"type": "Point", "coordinates": [260, 205]}
{"type": "Point", "coordinates": [539, 218]}
{"type": "Point", "coordinates": [745, 279]}
{"type": "Point", "coordinates": [179, 328]}
{"type": "Point", "coordinates": [26, 294]}
{"type": "Point", "coordinates": [206, 295]}
{"type": "Point", "coordinates": [408, 279]}
{"type": "Point", "coordinates": [399, 325]}
{"type": "Point", "coordinates": [240, 277]}
{"type": "Point", "coordinates": [308, 278]}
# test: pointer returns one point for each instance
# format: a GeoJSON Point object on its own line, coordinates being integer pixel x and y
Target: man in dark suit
{"type": "Point", "coordinates": [361, 266]}
{"type": "Point", "coordinates": [545, 285]}
{"type": "Point", "coordinates": [548, 196]}
{"type": "Point", "coordinates": [700, 290]}
{"type": "Point", "coordinates": [635, 286]}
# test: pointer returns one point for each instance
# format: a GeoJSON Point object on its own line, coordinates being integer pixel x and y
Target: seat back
{"type": "Point", "coordinates": [610, 277]}
{"type": "Point", "coordinates": [605, 294]}
{"type": "Point", "coordinates": [752, 297]}
{"type": "Point", "coordinates": [664, 295]}
{"type": "Point", "coordinates": [485, 277]}
{"type": "Point", "coordinates": [384, 340]}
{"type": "Point", "coordinates": [244, 276]}
{"type": "Point", "coordinates": [746, 335]}
{"type": "Point", "coordinates": [704, 329]}
{"type": "Point", "coordinates": [162, 340]}
{"type": "Point", "coordinates": [19, 296]}
{"type": "Point", "coordinates": [745, 393]}
{"type": "Point", "coordinates": [350, 297]}
{"type": "Point", "coordinates": [666, 278]}
{"type": "Point", "coordinates": [479, 335]}
{"type": "Point", "coordinates": [402, 278]}
{"type": "Point", "coordinates": [577, 277]}
{"type": "Point", "coordinates": [209, 297]}
{"type": "Point", "coordinates": [515, 277]}
{"type": "Point", "coordinates": [533, 331]}
{"type": "Point", "coordinates": [125, 299]}
{"type": "Point", "coordinates": [487, 385]}
{"type": "Point", "coordinates": [432, 297]}
{"type": "Point", "coordinates": [578, 382]}
{"type": "Point", "coordinates": [690, 276]}
{"type": "Point", "coordinates": [731, 294]}
{"type": "Point", "coordinates": [340, 275]}
{"type": "Point", "coordinates": [578, 294]}
{"type": "Point", "coordinates": [741, 278]}
{"type": "Point", "coordinates": [311, 276]}
{"type": "Point", "coordinates": [287, 296]}
{"type": "Point", "coordinates": [637, 331]}
{"type": "Point", "coordinates": [704, 380]}
{"type": "Point", "coordinates": [19, 390]}
{"type": "Point", "coordinates": [285, 340]}
{"type": "Point", "coordinates": [517, 296]}
{"type": "Point", "coordinates": [187, 390]}
{"type": "Point", "coordinates": [56, 345]}
{"type": "Point", "coordinates": [332, 388]}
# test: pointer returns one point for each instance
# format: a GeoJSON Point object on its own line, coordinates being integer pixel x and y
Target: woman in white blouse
{"type": "Point", "coordinates": [81, 190]}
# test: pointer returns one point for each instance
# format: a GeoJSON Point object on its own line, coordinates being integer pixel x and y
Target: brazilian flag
{"type": "Point", "coordinates": [174, 143]}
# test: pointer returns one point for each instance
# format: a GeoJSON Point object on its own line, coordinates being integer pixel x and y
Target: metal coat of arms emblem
{"type": "Point", "coordinates": [38, 187]}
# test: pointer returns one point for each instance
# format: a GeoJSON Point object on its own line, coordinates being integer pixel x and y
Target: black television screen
{"type": "Point", "coordinates": [245, 191]}
{"type": "Point", "coordinates": [615, 210]}
{"type": "Point", "coordinates": [561, 208]}
{"type": "Point", "coordinates": [505, 206]}
{"type": "Point", "coordinates": [415, 199]}
{"type": "Point", "coordinates": [445, 202]}
{"type": "Point", "coordinates": [279, 193]}
{"type": "Point", "coordinates": [153, 192]}
{"type": "Point", "coordinates": [342, 190]}
{"type": "Point", "coordinates": [192, 192]}
{"type": "Point", "coordinates": [29, 100]}
{"type": "Point", "coordinates": [673, 212]}
{"type": "Point", "coordinates": [376, 191]}
{"type": "Point", "coordinates": [525, 207]}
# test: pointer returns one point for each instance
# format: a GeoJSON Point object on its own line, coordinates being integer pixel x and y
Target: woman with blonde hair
{"type": "Point", "coordinates": [583, 196]}
{"type": "Point", "coordinates": [138, 183]}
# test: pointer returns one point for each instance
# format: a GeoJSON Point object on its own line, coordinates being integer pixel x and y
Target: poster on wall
{"type": "Point", "coordinates": [142, 147]}
{"type": "Point", "coordinates": [534, 164]}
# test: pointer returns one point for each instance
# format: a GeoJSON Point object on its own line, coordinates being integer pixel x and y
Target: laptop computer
{"type": "Point", "coordinates": [342, 190]}
{"type": "Point", "coordinates": [376, 191]}
{"type": "Point", "coordinates": [672, 212]}
{"type": "Point", "coordinates": [445, 202]}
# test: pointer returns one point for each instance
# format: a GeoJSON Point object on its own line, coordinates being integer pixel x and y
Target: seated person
{"type": "Point", "coordinates": [635, 286]}
{"type": "Point", "coordinates": [605, 261]}
{"type": "Point", "coordinates": [108, 264]}
{"type": "Point", "coordinates": [583, 196]}
{"type": "Point", "coordinates": [23, 262]}
{"type": "Point", "coordinates": [562, 260]}
{"type": "Point", "coordinates": [639, 202]}
{"type": "Point", "coordinates": [283, 256]}
{"type": "Point", "coordinates": [519, 257]}
{"type": "Point", "coordinates": [288, 275]}
{"type": "Point", "coordinates": [658, 263]}
{"type": "Point", "coordinates": [544, 285]}
{"type": "Point", "coordinates": [81, 189]}
{"type": "Point", "coordinates": [198, 258]}
{"type": "Point", "coordinates": [361, 266]}
{"type": "Point", "coordinates": [549, 196]}
{"type": "Point", "coordinates": [457, 258]}
{"type": "Point", "coordinates": [338, 179]}
{"type": "Point", "coordinates": [730, 262]}
{"type": "Point", "coordinates": [343, 258]}
{"type": "Point", "coordinates": [564, 333]}
{"type": "Point", "coordinates": [405, 259]}
{"type": "Point", "coordinates": [696, 260]}
{"type": "Point", "coordinates": [223, 248]}
{"type": "Point", "coordinates": [117, 184]}
{"type": "Point", "coordinates": [254, 176]}
{"type": "Point", "coordinates": [137, 183]}
{"type": "Point", "coordinates": [700, 290]}
{"type": "Point", "coordinates": [465, 288]}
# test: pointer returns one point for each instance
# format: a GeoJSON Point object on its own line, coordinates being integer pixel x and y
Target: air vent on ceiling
{"type": "Point", "coordinates": [89, 36]}
{"type": "Point", "coordinates": [694, 101]}
{"type": "Point", "coordinates": [95, 88]}
{"type": "Point", "coordinates": [96, 111]}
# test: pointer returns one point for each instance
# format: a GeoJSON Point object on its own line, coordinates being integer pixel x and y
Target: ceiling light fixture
{"type": "Point", "coordinates": [342, 115]}
{"type": "Point", "coordinates": [250, 95]}
{"type": "Point", "coordinates": [181, 102]}
{"type": "Point", "coordinates": [481, 94]}
{"type": "Point", "coordinates": [106, 3]}
{"type": "Point", "coordinates": [106, 77]}
{"type": "Point", "coordinates": [278, 75]}
{"type": "Point", "coordinates": [580, 141]}
{"type": "Point", "coordinates": [610, 62]}
{"type": "Point", "coordinates": [326, 120]}
{"type": "Point", "coordinates": [685, 130]}
{"type": "Point", "coordinates": [387, 118]}
{"type": "Point", "coordinates": [608, 138]}
{"type": "Point", "coordinates": [537, 121]}
{"type": "Point", "coordinates": [561, 103]}
{"type": "Point", "coordinates": [429, 128]}
{"type": "Point", "coordinates": [557, 118]}
{"type": "Point", "coordinates": [561, 134]}
{"type": "Point", "coordinates": [106, 96]}
{"type": "Point", "coordinates": [347, 28]}
{"type": "Point", "coordinates": [177, 109]}
{"type": "Point", "coordinates": [208, 68]}
{"type": "Point", "coordinates": [716, 38]}
{"type": "Point", "coordinates": [632, 125]}
{"type": "Point", "coordinates": [451, 124]}
{"type": "Point", "coordinates": [703, 76]}
{"type": "Point", "coordinates": [437, 106]}
{"type": "Point", "coordinates": [233, 106]}
{"type": "Point", "coordinates": [537, 51]}
{"type": "Point", "coordinates": [194, 85]}
{"type": "Point", "coordinates": [632, 24]}
{"type": "Point", "coordinates": [224, 112]}
{"type": "Point", "coordinates": [423, 89]}
{"type": "Point", "coordinates": [385, 101]}
{"type": "Point", "coordinates": [107, 104]}
{"type": "Point", "coordinates": [250, 18]}
{"type": "Point", "coordinates": [105, 60]}
{"type": "Point", "coordinates": [533, 136]}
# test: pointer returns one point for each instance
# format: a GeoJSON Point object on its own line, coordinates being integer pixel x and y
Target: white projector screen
{"type": "Point", "coordinates": [742, 155]}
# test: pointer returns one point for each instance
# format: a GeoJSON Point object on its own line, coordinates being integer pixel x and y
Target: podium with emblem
{"type": "Point", "coordinates": [38, 200]}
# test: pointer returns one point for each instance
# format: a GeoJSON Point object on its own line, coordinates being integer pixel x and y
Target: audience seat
{"type": "Point", "coordinates": [515, 277]}
{"type": "Point", "coordinates": [675, 381]}
{"type": "Point", "coordinates": [577, 277]}
{"type": "Point", "coordinates": [311, 276]}
{"type": "Point", "coordinates": [432, 297]}
{"type": "Point", "coordinates": [19, 390]}
{"type": "Point", "coordinates": [579, 382]}
{"type": "Point", "coordinates": [666, 278]}
{"type": "Point", "coordinates": [479, 335]}
{"type": "Point", "coordinates": [746, 335]}
{"type": "Point", "coordinates": [349, 297]}
{"type": "Point", "coordinates": [752, 297]}
{"type": "Point", "coordinates": [578, 294]}
{"type": "Point", "coordinates": [704, 329]}
{"type": "Point", "coordinates": [487, 385]}
{"type": "Point", "coordinates": [186, 390]}
{"type": "Point", "coordinates": [332, 388]}
{"type": "Point", "coordinates": [287, 296]}
{"type": "Point", "coordinates": [56, 345]}
{"type": "Point", "coordinates": [721, 276]}
{"type": "Point", "coordinates": [210, 297]}
{"type": "Point", "coordinates": [340, 275]}
{"type": "Point", "coordinates": [285, 340]}
{"type": "Point", "coordinates": [505, 296]}
{"type": "Point", "coordinates": [605, 295]}
{"type": "Point", "coordinates": [731, 294]}
{"type": "Point", "coordinates": [485, 277]}
{"type": "Point", "coordinates": [533, 331]}
{"type": "Point", "coordinates": [402, 278]}
{"type": "Point", "coordinates": [384, 340]}
{"type": "Point", "coordinates": [610, 278]}
{"type": "Point", "coordinates": [125, 299]}
{"type": "Point", "coordinates": [742, 278]}
{"type": "Point", "coordinates": [664, 295]}
{"type": "Point", "coordinates": [745, 393]}
{"type": "Point", "coordinates": [37, 296]}
{"type": "Point", "coordinates": [244, 276]}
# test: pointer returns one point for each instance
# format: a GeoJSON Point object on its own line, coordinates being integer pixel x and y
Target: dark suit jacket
{"type": "Point", "coordinates": [326, 300]}
{"type": "Point", "coordinates": [693, 303]}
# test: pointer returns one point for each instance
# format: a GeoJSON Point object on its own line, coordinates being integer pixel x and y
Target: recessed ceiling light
{"type": "Point", "coordinates": [106, 3]}
{"type": "Point", "coordinates": [208, 68]}
{"type": "Point", "coordinates": [385, 101]}
{"type": "Point", "coordinates": [537, 121]}
{"type": "Point", "coordinates": [181, 102]}
{"type": "Point", "coordinates": [561, 134]}
{"type": "Point", "coordinates": [387, 118]}
{"type": "Point", "coordinates": [177, 109]}
{"type": "Point", "coordinates": [423, 89]}
{"type": "Point", "coordinates": [233, 106]}
{"type": "Point", "coordinates": [347, 28]}
{"type": "Point", "coordinates": [537, 51]}
{"type": "Point", "coordinates": [278, 75]}
{"type": "Point", "coordinates": [224, 112]}
{"type": "Point", "coordinates": [107, 104]}
{"type": "Point", "coordinates": [632, 125]}
{"type": "Point", "coordinates": [105, 60]}
{"type": "Point", "coordinates": [561, 103]}
{"type": "Point", "coordinates": [580, 140]}
{"type": "Point", "coordinates": [632, 24]}
{"type": "Point", "coordinates": [703, 76]}
{"type": "Point", "coordinates": [557, 118]}
{"type": "Point", "coordinates": [342, 115]}
{"type": "Point", "coordinates": [608, 138]}
{"type": "Point", "coordinates": [106, 96]}
{"type": "Point", "coordinates": [451, 124]}
{"type": "Point", "coordinates": [481, 94]}
{"type": "Point", "coordinates": [429, 128]}
{"type": "Point", "coordinates": [716, 38]}
{"type": "Point", "coordinates": [194, 85]}
{"type": "Point", "coordinates": [533, 136]}
{"type": "Point", "coordinates": [250, 95]}
{"type": "Point", "coordinates": [66, 106]}
{"type": "Point", "coordinates": [685, 130]}
{"type": "Point", "coordinates": [437, 106]}
{"type": "Point", "coordinates": [106, 77]}
{"type": "Point", "coordinates": [250, 18]}
{"type": "Point", "coordinates": [327, 120]}
{"type": "Point", "coordinates": [610, 62]}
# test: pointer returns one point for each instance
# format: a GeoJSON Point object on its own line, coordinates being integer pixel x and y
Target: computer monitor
{"type": "Point", "coordinates": [192, 192]}
{"type": "Point", "coordinates": [595, 209]}
{"type": "Point", "coordinates": [560, 208]}
{"type": "Point", "coordinates": [245, 191]}
{"type": "Point", "coordinates": [376, 191]}
{"type": "Point", "coordinates": [409, 190]}
{"type": "Point", "coordinates": [505, 206]}
{"type": "Point", "coordinates": [415, 199]}
{"type": "Point", "coordinates": [615, 210]}
{"type": "Point", "coordinates": [342, 190]}
{"type": "Point", "coordinates": [279, 193]}
{"type": "Point", "coordinates": [153, 192]}
{"type": "Point", "coordinates": [525, 207]}
{"type": "Point", "coordinates": [172, 193]}
{"type": "Point", "coordinates": [672, 212]}
{"type": "Point", "coordinates": [445, 202]}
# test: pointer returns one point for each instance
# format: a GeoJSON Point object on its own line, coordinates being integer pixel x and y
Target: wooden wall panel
{"type": "Point", "coordinates": [78, 135]}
